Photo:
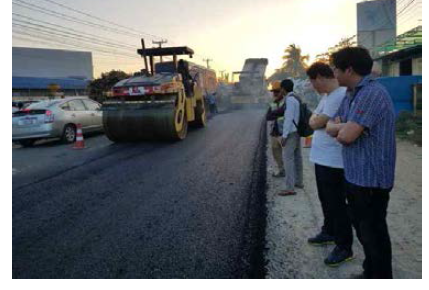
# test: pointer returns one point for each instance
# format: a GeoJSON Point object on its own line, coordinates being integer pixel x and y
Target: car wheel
{"type": "Point", "coordinates": [69, 134]}
{"type": "Point", "coordinates": [26, 143]}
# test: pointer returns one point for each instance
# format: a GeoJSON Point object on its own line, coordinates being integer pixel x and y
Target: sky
{"type": "Point", "coordinates": [225, 31]}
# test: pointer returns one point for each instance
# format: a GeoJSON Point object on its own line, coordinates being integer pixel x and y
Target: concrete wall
{"type": "Point", "coordinates": [417, 66]}
{"type": "Point", "coordinates": [392, 68]}
{"type": "Point", "coordinates": [51, 63]}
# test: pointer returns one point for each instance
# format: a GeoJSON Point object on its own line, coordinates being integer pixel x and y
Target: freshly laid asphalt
{"type": "Point", "coordinates": [190, 209]}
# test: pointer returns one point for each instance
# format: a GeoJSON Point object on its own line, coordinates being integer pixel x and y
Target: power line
{"type": "Point", "coordinates": [61, 41]}
{"type": "Point", "coordinates": [407, 5]}
{"type": "Point", "coordinates": [408, 18]}
{"type": "Point", "coordinates": [74, 30]}
{"type": "Point", "coordinates": [69, 18]}
{"type": "Point", "coordinates": [81, 36]}
{"type": "Point", "coordinates": [50, 34]}
{"type": "Point", "coordinates": [415, 10]}
{"type": "Point", "coordinates": [73, 19]}
{"type": "Point", "coordinates": [405, 8]}
{"type": "Point", "coordinates": [103, 20]}
{"type": "Point", "coordinates": [67, 34]}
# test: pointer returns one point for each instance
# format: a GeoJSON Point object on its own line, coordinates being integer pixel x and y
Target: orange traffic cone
{"type": "Point", "coordinates": [79, 144]}
{"type": "Point", "coordinates": [307, 141]}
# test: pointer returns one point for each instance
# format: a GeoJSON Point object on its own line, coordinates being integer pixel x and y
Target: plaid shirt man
{"type": "Point", "coordinates": [370, 160]}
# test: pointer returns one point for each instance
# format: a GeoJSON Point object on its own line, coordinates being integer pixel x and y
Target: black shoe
{"type": "Point", "coordinates": [300, 186]}
{"type": "Point", "coordinates": [338, 256]}
{"type": "Point", "coordinates": [321, 239]}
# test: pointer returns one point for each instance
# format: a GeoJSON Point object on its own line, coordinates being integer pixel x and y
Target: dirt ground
{"type": "Point", "coordinates": [292, 220]}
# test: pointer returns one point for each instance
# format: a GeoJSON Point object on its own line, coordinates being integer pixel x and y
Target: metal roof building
{"type": "Point", "coordinates": [43, 83]}
{"type": "Point", "coordinates": [35, 70]}
{"type": "Point", "coordinates": [403, 55]}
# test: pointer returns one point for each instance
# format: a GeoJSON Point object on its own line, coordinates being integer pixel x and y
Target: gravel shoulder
{"type": "Point", "coordinates": [291, 220]}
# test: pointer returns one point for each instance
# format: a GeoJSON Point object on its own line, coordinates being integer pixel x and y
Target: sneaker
{"type": "Point", "coordinates": [321, 239]}
{"type": "Point", "coordinates": [279, 174]}
{"type": "Point", "coordinates": [338, 256]}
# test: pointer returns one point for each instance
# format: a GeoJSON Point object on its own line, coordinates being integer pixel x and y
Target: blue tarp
{"type": "Point", "coordinates": [401, 91]}
{"type": "Point", "coordinates": [43, 83]}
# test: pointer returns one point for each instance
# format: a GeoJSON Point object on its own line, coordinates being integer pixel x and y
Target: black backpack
{"type": "Point", "coordinates": [303, 127]}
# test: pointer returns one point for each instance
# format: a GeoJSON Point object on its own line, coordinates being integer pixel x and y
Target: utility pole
{"type": "Point", "coordinates": [160, 43]}
{"type": "Point", "coordinates": [207, 60]}
{"type": "Point", "coordinates": [222, 74]}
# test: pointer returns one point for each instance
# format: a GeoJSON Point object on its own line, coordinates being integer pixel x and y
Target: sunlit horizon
{"type": "Point", "coordinates": [224, 31]}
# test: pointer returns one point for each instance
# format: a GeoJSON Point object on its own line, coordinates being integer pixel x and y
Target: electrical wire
{"type": "Point", "coordinates": [69, 18]}
{"type": "Point", "coordinates": [104, 20]}
{"type": "Point", "coordinates": [108, 40]}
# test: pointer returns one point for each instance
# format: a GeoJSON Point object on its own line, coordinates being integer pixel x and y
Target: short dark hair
{"type": "Point", "coordinates": [287, 85]}
{"type": "Point", "coordinates": [358, 58]}
{"type": "Point", "coordinates": [320, 69]}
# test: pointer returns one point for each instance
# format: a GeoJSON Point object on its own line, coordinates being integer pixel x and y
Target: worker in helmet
{"type": "Point", "coordinates": [275, 115]}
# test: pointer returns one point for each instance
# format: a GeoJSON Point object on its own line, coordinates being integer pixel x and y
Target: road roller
{"type": "Point", "coordinates": [161, 101]}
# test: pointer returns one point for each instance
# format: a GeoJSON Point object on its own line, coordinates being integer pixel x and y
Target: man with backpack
{"type": "Point", "coordinates": [291, 140]}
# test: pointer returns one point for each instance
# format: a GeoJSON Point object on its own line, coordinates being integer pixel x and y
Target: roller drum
{"type": "Point", "coordinates": [150, 122]}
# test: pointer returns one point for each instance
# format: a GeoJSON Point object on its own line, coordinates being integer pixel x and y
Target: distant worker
{"type": "Point", "coordinates": [291, 141]}
{"type": "Point", "coordinates": [275, 114]}
{"type": "Point", "coordinates": [188, 82]}
{"type": "Point", "coordinates": [211, 98]}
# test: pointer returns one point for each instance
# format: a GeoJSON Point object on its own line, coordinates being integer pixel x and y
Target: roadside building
{"type": "Point", "coordinates": [400, 63]}
{"type": "Point", "coordinates": [402, 56]}
{"type": "Point", "coordinates": [46, 73]}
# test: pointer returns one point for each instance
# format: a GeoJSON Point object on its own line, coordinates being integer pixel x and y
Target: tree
{"type": "Point", "coordinates": [295, 64]}
{"type": "Point", "coordinates": [226, 77]}
{"type": "Point", "coordinates": [344, 42]}
{"type": "Point", "coordinates": [99, 87]}
{"type": "Point", "coordinates": [53, 89]}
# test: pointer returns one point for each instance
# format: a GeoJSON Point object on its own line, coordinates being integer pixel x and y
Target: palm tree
{"type": "Point", "coordinates": [295, 63]}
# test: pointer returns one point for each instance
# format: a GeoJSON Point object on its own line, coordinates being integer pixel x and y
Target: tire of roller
{"type": "Point", "coordinates": [152, 124]}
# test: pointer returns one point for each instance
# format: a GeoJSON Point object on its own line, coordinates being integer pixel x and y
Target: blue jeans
{"type": "Point", "coordinates": [292, 160]}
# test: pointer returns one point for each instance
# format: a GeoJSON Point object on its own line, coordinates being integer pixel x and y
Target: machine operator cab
{"type": "Point", "coordinates": [170, 67]}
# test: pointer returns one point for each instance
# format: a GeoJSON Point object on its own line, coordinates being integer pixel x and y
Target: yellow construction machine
{"type": "Point", "coordinates": [160, 102]}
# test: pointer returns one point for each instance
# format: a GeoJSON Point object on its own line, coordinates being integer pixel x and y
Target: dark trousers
{"type": "Point", "coordinates": [369, 209]}
{"type": "Point", "coordinates": [330, 187]}
{"type": "Point", "coordinates": [213, 108]}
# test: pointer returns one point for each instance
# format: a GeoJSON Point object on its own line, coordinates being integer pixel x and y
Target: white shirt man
{"type": "Point", "coordinates": [326, 154]}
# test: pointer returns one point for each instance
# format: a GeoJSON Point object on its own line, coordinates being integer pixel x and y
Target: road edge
{"type": "Point", "coordinates": [255, 227]}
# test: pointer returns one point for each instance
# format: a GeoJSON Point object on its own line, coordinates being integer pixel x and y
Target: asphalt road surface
{"type": "Point", "coordinates": [191, 209]}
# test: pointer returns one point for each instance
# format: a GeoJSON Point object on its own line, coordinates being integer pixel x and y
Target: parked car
{"type": "Point", "coordinates": [22, 104]}
{"type": "Point", "coordinates": [56, 119]}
